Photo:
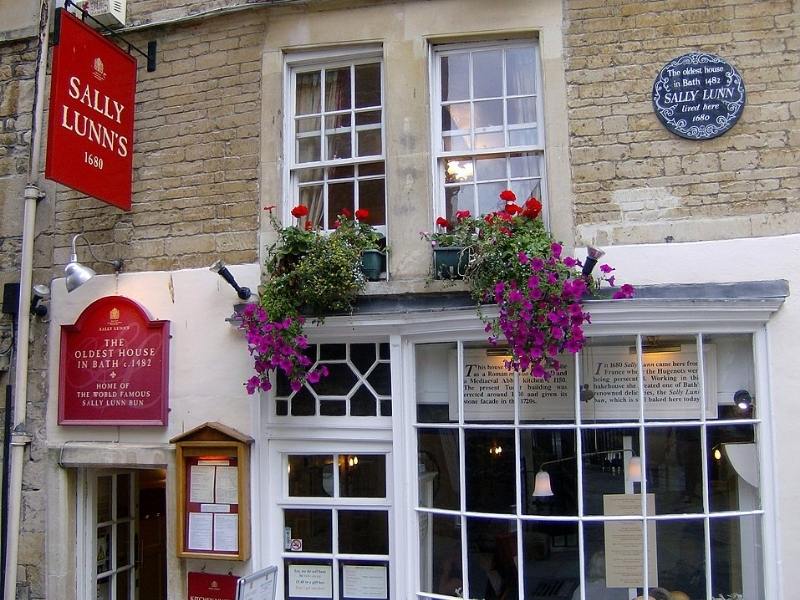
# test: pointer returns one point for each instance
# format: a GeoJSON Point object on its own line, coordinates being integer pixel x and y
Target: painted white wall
{"type": "Point", "coordinates": [208, 356]}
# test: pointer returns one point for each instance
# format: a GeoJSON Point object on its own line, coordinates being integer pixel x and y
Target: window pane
{"type": "Point", "coordinates": [372, 196]}
{"type": "Point", "coordinates": [490, 470]}
{"type": "Point", "coordinates": [308, 93]}
{"type": "Point", "coordinates": [368, 85]}
{"type": "Point", "coordinates": [362, 476]}
{"type": "Point", "coordinates": [337, 89]}
{"type": "Point", "coordinates": [455, 77]}
{"type": "Point", "coordinates": [488, 197]}
{"type": "Point", "coordinates": [613, 554]}
{"type": "Point", "coordinates": [456, 117]}
{"type": "Point", "coordinates": [367, 169]}
{"type": "Point", "coordinates": [352, 575]}
{"type": "Point", "coordinates": [551, 400]}
{"type": "Point", "coordinates": [487, 141]}
{"type": "Point", "coordinates": [309, 175]}
{"type": "Point", "coordinates": [434, 401]}
{"type": "Point", "coordinates": [308, 149]}
{"type": "Point", "coordinates": [490, 168]}
{"type": "Point", "coordinates": [104, 499]}
{"type": "Point", "coordinates": [369, 142]}
{"type": "Point", "coordinates": [730, 372]}
{"type": "Point", "coordinates": [609, 379]}
{"type": "Point", "coordinates": [456, 143]}
{"type": "Point", "coordinates": [340, 196]}
{"type": "Point", "coordinates": [123, 496]}
{"type": "Point", "coordinates": [736, 551]}
{"type": "Point", "coordinates": [671, 378]}
{"type": "Point", "coordinates": [341, 172]}
{"type": "Point", "coordinates": [489, 113]}
{"type": "Point", "coordinates": [370, 117]}
{"type": "Point", "coordinates": [312, 527]}
{"type": "Point", "coordinates": [674, 469]}
{"type": "Point", "coordinates": [523, 137]}
{"type": "Point", "coordinates": [551, 567]}
{"type": "Point", "coordinates": [104, 549]}
{"type": "Point", "coordinates": [492, 558]}
{"type": "Point", "coordinates": [459, 198]}
{"type": "Point", "coordinates": [680, 557]}
{"type": "Point", "coordinates": [606, 465]}
{"type": "Point", "coordinates": [124, 585]}
{"type": "Point", "coordinates": [488, 386]}
{"type": "Point", "coordinates": [458, 170]}
{"type": "Point", "coordinates": [521, 110]}
{"type": "Point", "coordinates": [311, 197]}
{"type": "Point", "coordinates": [487, 74]}
{"type": "Point", "coordinates": [318, 571]}
{"type": "Point", "coordinates": [438, 468]}
{"type": "Point", "coordinates": [733, 472]}
{"type": "Point", "coordinates": [123, 545]}
{"type": "Point", "coordinates": [520, 71]}
{"type": "Point", "coordinates": [556, 447]}
{"type": "Point", "coordinates": [339, 146]}
{"type": "Point", "coordinates": [524, 165]}
{"type": "Point", "coordinates": [440, 554]}
{"type": "Point", "coordinates": [363, 532]}
{"type": "Point", "coordinates": [104, 589]}
{"type": "Point", "coordinates": [311, 475]}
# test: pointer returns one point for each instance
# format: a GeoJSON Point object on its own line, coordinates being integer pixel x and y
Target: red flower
{"type": "Point", "coordinates": [489, 218]}
{"type": "Point", "coordinates": [299, 211]}
{"type": "Point", "coordinates": [362, 214]}
{"type": "Point", "coordinates": [308, 226]}
{"type": "Point", "coordinates": [506, 231]}
{"type": "Point", "coordinates": [532, 208]}
{"type": "Point", "coordinates": [462, 214]}
{"type": "Point", "coordinates": [512, 208]}
{"type": "Point", "coordinates": [503, 215]}
{"type": "Point", "coordinates": [508, 196]}
{"type": "Point", "coordinates": [442, 222]}
{"type": "Point", "coordinates": [347, 213]}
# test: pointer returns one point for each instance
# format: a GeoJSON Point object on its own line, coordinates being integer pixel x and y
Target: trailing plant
{"type": "Point", "coordinates": [310, 273]}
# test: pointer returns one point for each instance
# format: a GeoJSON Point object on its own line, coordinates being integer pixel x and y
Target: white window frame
{"type": "Point", "coordinates": [438, 155]}
{"type": "Point", "coordinates": [764, 445]}
{"type": "Point", "coordinates": [298, 62]}
{"type": "Point", "coordinates": [86, 547]}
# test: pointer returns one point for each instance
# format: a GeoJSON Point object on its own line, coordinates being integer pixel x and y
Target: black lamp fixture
{"type": "Point", "coordinates": [592, 256]}
{"type": "Point", "coordinates": [78, 274]}
{"type": "Point", "coordinates": [743, 400]}
{"type": "Point", "coordinates": [220, 269]}
{"type": "Point", "coordinates": [41, 293]}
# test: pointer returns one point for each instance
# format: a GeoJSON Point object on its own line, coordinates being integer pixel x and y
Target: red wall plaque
{"type": "Point", "coordinates": [114, 367]}
{"type": "Point", "coordinates": [211, 586]}
{"type": "Point", "coordinates": [90, 131]}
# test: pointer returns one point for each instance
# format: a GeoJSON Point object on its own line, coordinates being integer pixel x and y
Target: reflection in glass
{"type": "Point", "coordinates": [438, 468]}
{"type": "Point", "coordinates": [433, 390]}
{"type": "Point", "coordinates": [440, 554]}
{"type": "Point", "coordinates": [490, 470]}
{"type": "Point", "coordinates": [312, 526]}
{"type": "Point", "coordinates": [681, 557]}
{"type": "Point", "coordinates": [311, 475]}
{"type": "Point", "coordinates": [492, 559]}
{"type": "Point", "coordinates": [362, 476]}
{"type": "Point", "coordinates": [605, 463]}
{"type": "Point", "coordinates": [550, 559]}
{"type": "Point", "coordinates": [363, 532]}
{"type": "Point", "coordinates": [736, 551]}
{"type": "Point", "coordinates": [490, 168]}
{"type": "Point", "coordinates": [520, 71]}
{"type": "Point", "coordinates": [455, 77]}
{"type": "Point", "coordinates": [521, 110]}
{"type": "Point", "coordinates": [735, 372]}
{"type": "Point", "coordinates": [556, 447]}
{"type": "Point", "coordinates": [456, 117]}
{"type": "Point", "coordinates": [487, 74]}
{"type": "Point", "coordinates": [674, 469]}
{"type": "Point", "coordinates": [489, 113]}
{"type": "Point", "coordinates": [733, 471]}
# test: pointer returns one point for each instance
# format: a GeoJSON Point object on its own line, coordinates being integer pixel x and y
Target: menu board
{"type": "Point", "coordinates": [212, 505]}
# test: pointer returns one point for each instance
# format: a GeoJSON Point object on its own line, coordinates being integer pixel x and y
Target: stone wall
{"type": "Point", "coordinates": [635, 182]}
{"type": "Point", "coordinates": [196, 145]}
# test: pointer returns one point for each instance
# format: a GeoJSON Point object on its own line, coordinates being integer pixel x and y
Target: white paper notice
{"type": "Point", "coordinates": [215, 508]}
{"type": "Point", "coordinates": [201, 484]}
{"type": "Point", "coordinates": [226, 532]}
{"type": "Point", "coordinates": [310, 581]}
{"type": "Point", "coordinates": [226, 485]}
{"type": "Point", "coordinates": [200, 531]}
{"type": "Point", "coordinates": [364, 582]}
{"type": "Point", "coordinates": [624, 542]}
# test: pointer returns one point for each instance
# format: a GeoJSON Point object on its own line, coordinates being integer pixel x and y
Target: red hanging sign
{"type": "Point", "coordinates": [114, 367]}
{"type": "Point", "coordinates": [211, 586]}
{"type": "Point", "coordinates": [90, 131]}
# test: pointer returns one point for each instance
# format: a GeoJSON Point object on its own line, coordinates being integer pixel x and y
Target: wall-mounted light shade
{"type": "Point", "coordinates": [77, 274]}
{"type": "Point", "coordinates": [635, 469]}
{"type": "Point", "coordinates": [592, 256]}
{"type": "Point", "coordinates": [220, 269]}
{"type": "Point", "coordinates": [541, 485]}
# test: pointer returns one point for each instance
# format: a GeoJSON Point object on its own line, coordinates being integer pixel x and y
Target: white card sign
{"type": "Point", "coordinates": [672, 387]}
{"type": "Point", "coordinates": [624, 542]}
{"type": "Point", "coordinates": [310, 581]}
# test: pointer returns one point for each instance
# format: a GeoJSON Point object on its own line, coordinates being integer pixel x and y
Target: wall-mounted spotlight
{"type": "Point", "coordinates": [743, 400]}
{"type": "Point", "coordinates": [41, 293]}
{"type": "Point", "coordinates": [220, 269]}
{"type": "Point", "coordinates": [78, 274]}
{"type": "Point", "coordinates": [592, 256]}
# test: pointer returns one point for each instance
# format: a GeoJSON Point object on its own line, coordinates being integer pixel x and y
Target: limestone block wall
{"type": "Point", "coordinates": [196, 155]}
{"type": "Point", "coordinates": [634, 181]}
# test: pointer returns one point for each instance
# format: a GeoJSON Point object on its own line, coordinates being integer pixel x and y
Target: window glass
{"type": "Point", "coordinates": [338, 116]}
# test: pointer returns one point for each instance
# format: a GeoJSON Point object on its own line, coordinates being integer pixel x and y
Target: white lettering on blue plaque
{"type": "Point", "coordinates": [698, 96]}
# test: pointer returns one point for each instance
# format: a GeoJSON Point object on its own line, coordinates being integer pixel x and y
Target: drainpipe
{"type": "Point", "coordinates": [19, 436]}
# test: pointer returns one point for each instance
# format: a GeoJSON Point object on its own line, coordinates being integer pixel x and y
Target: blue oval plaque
{"type": "Point", "coordinates": [698, 96]}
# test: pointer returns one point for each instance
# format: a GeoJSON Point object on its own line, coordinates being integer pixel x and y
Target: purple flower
{"type": "Point", "coordinates": [537, 264]}
{"type": "Point", "coordinates": [556, 248]}
{"type": "Point", "coordinates": [606, 269]}
{"type": "Point", "coordinates": [570, 262]}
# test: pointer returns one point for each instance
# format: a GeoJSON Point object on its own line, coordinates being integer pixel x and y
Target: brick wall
{"type": "Point", "coordinates": [196, 149]}
{"type": "Point", "coordinates": [635, 182]}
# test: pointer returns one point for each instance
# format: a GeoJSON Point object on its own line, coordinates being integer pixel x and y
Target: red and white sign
{"type": "Point", "coordinates": [212, 586]}
{"type": "Point", "coordinates": [90, 132]}
{"type": "Point", "coordinates": [114, 367]}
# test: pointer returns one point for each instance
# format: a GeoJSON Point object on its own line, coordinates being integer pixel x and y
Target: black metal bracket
{"type": "Point", "coordinates": [150, 55]}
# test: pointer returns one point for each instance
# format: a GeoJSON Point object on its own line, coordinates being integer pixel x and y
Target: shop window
{"type": "Point", "coordinates": [358, 384]}
{"type": "Point", "coordinates": [336, 132]}
{"type": "Point", "coordinates": [634, 467]}
{"type": "Point", "coordinates": [488, 128]}
{"type": "Point", "coordinates": [336, 526]}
